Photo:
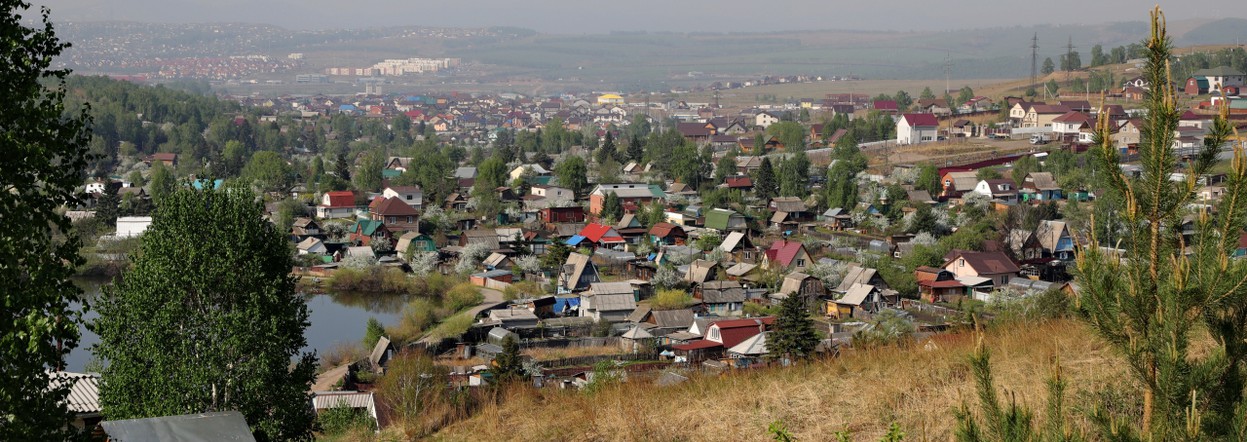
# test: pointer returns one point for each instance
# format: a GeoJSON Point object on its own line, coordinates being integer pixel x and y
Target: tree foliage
{"type": "Point", "coordinates": [794, 336]}
{"type": "Point", "coordinates": [270, 173]}
{"type": "Point", "coordinates": [765, 185]}
{"type": "Point", "coordinates": [220, 337]}
{"type": "Point", "coordinates": [1170, 293]}
{"type": "Point", "coordinates": [508, 367]}
{"type": "Point", "coordinates": [45, 148]}
{"type": "Point", "coordinates": [573, 174]}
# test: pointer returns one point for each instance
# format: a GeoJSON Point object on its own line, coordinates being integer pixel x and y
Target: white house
{"type": "Point", "coordinates": [765, 119]}
{"type": "Point", "coordinates": [131, 226]}
{"type": "Point", "coordinates": [519, 171]}
{"type": "Point", "coordinates": [312, 246]}
{"type": "Point", "coordinates": [412, 195]}
{"type": "Point", "coordinates": [1000, 189]}
{"type": "Point", "coordinates": [917, 128]}
{"type": "Point", "coordinates": [1070, 123]}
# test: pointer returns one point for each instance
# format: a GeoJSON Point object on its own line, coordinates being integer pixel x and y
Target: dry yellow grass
{"type": "Point", "coordinates": [862, 392]}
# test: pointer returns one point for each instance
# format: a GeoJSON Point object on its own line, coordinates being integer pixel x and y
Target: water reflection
{"type": "Point", "coordinates": [334, 318]}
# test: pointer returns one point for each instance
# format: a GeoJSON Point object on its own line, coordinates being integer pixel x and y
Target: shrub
{"type": "Point", "coordinates": [461, 296]}
{"type": "Point", "coordinates": [453, 326]}
{"type": "Point", "coordinates": [341, 419]}
{"type": "Point", "coordinates": [671, 300]}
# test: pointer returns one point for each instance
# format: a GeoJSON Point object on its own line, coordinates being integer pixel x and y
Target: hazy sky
{"type": "Point", "coordinates": [596, 16]}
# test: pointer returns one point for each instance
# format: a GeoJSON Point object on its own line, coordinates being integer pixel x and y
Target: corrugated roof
{"type": "Point", "coordinates": [610, 288]}
{"type": "Point", "coordinates": [333, 399]}
{"type": "Point", "coordinates": [84, 390]}
{"type": "Point", "coordinates": [753, 346]}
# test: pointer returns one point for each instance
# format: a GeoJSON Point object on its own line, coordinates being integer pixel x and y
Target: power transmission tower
{"type": "Point", "coordinates": [948, 65]}
{"type": "Point", "coordinates": [1034, 59]}
{"type": "Point", "coordinates": [1069, 58]}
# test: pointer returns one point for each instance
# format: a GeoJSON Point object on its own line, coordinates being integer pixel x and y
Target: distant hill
{"type": "Point", "coordinates": [643, 60]}
{"type": "Point", "coordinates": [1223, 31]}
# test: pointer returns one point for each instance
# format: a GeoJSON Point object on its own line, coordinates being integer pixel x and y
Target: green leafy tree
{"type": "Point", "coordinates": [794, 336]}
{"type": "Point", "coordinates": [220, 337]}
{"type": "Point", "coordinates": [1171, 292]}
{"type": "Point", "coordinates": [726, 167]}
{"type": "Point", "coordinates": [1048, 66]}
{"type": "Point", "coordinates": [270, 173]}
{"type": "Point", "coordinates": [1022, 167]}
{"type": "Point", "coordinates": [903, 100]}
{"type": "Point", "coordinates": [759, 145]}
{"type": "Point", "coordinates": [573, 174]}
{"type": "Point", "coordinates": [45, 149]}
{"type": "Point", "coordinates": [1097, 56]}
{"type": "Point", "coordinates": [373, 332]}
{"type": "Point", "coordinates": [508, 366]}
{"type": "Point", "coordinates": [1052, 87]}
{"type": "Point", "coordinates": [966, 94]}
{"type": "Point", "coordinates": [162, 182]}
{"type": "Point", "coordinates": [790, 133]}
{"type": "Point", "coordinates": [928, 179]}
{"type": "Point", "coordinates": [368, 174]}
{"type": "Point", "coordinates": [765, 185]}
{"type": "Point", "coordinates": [1071, 61]}
{"type": "Point", "coordinates": [235, 156]}
{"type": "Point", "coordinates": [612, 207]}
{"type": "Point", "coordinates": [926, 94]}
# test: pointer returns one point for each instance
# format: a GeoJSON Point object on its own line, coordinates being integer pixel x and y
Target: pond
{"type": "Point", "coordinates": [334, 318]}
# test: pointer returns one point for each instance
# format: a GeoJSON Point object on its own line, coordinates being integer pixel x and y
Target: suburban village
{"type": "Point", "coordinates": [620, 257]}
{"type": "Point", "coordinates": [566, 243]}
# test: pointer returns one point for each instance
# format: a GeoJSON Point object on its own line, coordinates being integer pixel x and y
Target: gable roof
{"type": "Point", "coordinates": [600, 233]}
{"type": "Point", "coordinates": [856, 294]}
{"type": "Point", "coordinates": [921, 120]}
{"type": "Point", "coordinates": [378, 351]}
{"type": "Point", "coordinates": [341, 199]}
{"type": "Point", "coordinates": [663, 230]}
{"type": "Point", "coordinates": [1049, 233]}
{"type": "Point", "coordinates": [393, 206]}
{"type": "Point", "coordinates": [732, 240]}
{"type": "Point", "coordinates": [788, 204]}
{"type": "Point", "coordinates": [1041, 180]}
{"type": "Point", "coordinates": [985, 263]}
{"type": "Point", "coordinates": [718, 218]}
{"type": "Point", "coordinates": [784, 251]}
{"type": "Point", "coordinates": [855, 275]}
{"type": "Point", "coordinates": [792, 283]}
{"type": "Point", "coordinates": [753, 346]}
{"type": "Point", "coordinates": [368, 227]}
{"type": "Point", "coordinates": [681, 318]}
{"type": "Point", "coordinates": [962, 180]}
{"type": "Point", "coordinates": [700, 271]}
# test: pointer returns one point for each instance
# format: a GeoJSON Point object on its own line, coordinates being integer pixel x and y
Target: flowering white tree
{"type": "Point", "coordinates": [528, 264]}
{"type": "Point", "coordinates": [830, 273]}
{"type": "Point", "coordinates": [666, 278]}
{"type": "Point", "coordinates": [471, 256]}
{"type": "Point", "coordinates": [423, 263]}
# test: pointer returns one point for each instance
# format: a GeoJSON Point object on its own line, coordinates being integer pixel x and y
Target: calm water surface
{"type": "Point", "coordinates": [335, 318]}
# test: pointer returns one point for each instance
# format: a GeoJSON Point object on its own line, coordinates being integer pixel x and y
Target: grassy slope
{"type": "Point", "coordinates": [862, 392]}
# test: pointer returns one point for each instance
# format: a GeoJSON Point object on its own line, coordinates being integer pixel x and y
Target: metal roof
{"type": "Point", "coordinates": [84, 390]}
{"type": "Point", "coordinates": [204, 427]}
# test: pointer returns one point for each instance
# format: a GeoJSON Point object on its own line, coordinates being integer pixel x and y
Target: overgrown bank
{"type": "Point", "coordinates": [863, 392]}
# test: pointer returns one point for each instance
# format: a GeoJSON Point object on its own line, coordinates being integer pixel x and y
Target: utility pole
{"type": "Point", "coordinates": [1034, 59]}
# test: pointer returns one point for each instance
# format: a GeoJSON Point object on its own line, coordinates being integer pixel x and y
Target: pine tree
{"type": "Point", "coordinates": [794, 336]}
{"type": "Point", "coordinates": [612, 208]}
{"type": "Point", "coordinates": [508, 367]}
{"type": "Point", "coordinates": [45, 151]}
{"type": "Point", "coordinates": [1168, 293]}
{"type": "Point", "coordinates": [636, 152]}
{"type": "Point", "coordinates": [765, 185]}
{"type": "Point", "coordinates": [220, 337]}
{"type": "Point", "coordinates": [607, 151]}
{"type": "Point", "coordinates": [374, 331]}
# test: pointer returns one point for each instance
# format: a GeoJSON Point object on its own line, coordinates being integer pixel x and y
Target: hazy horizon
{"type": "Point", "coordinates": [565, 17]}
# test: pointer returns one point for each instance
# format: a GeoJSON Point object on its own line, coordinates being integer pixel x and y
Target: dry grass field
{"type": "Point", "coordinates": [862, 392]}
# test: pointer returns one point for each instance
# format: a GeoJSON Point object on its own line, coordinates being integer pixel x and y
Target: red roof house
{"type": "Point", "coordinates": [788, 255]}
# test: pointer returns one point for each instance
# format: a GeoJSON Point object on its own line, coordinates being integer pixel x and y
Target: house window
{"type": "Point", "coordinates": [390, 220]}
{"type": "Point", "coordinates": [713, 335]}
{"type": "Point", "coordinates": [747, 255]}
{"type": "Point", "coordinates": [409, 197]}
{"type": "Point", "coordinates": [961, 262]}
{"type": "Point", "coordinates": [408, 220]}
{"type": "Point", "coordinates": [800, 263]}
